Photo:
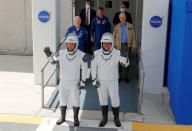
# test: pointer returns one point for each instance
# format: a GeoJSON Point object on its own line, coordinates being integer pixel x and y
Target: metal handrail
{"type": "Point", "coordinates": [141, 68]}
{"type": "Point", "coordinates": [49, 78]}
{"type": "Point", "coordinates": [141, 80]}
{"type": "Point", "coordinates": [43, 83]}
{"type": "Point", "coordinates": [44, 66]}
{"type": "Point", "coordinates": [141, 74]}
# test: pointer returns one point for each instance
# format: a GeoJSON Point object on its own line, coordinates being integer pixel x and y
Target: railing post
{"type": "Point", "coordinates": [141, 91]}
{"type": "Point", "coordinates": [43, 84]}
{"type": "Point", "coordinates": [141, 80]}
{"type": "Point", "coordinates": [42, 88]}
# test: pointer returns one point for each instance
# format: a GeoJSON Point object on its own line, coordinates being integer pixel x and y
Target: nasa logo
{"type": "Point", "coordinates": [156, 21]}
{"type": "Point", "coordinates": [44, 16]}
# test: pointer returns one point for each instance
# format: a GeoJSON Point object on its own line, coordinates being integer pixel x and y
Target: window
{"type": "Point", "coordinates": [126, 4]}
{"type": "Point", "coordinates": [108, 4]}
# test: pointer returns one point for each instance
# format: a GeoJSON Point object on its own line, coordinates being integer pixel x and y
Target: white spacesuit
{"type": "Point", "coordinates": [72, 76]}
{"type": "Point", "coordinates": [104, 72]}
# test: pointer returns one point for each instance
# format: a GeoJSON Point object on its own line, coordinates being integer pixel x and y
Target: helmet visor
{"type": "Point", "coordinates": [71, 46]}
{"type": "Point", "coordinates": [106, 46]}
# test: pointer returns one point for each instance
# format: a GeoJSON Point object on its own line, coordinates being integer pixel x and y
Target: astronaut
{"type": "Point", "coordinates": [104, 71]}
{"type": "Point", "coordinates": [72, 75]}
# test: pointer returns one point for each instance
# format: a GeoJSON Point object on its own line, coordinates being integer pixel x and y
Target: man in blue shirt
{"type": "Point", "coordinates": [124, 33]}
{"type": "Point", "coordinates": [100, 25]}
{"type": "Point", "coordinates": [124, 39]}
{"type": "Point", "coordinates": [80, 32]}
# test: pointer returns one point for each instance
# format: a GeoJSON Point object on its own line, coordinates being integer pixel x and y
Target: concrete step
{"type": "Point", "coordinates": [93, 115]}
{"type": "Point", "coordinates": [48, 124]}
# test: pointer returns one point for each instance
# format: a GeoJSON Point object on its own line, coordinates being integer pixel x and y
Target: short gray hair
{"type": "Point", "coordinates": [77, 17]}
{"type": "Point", "coordinates": [122, 14]}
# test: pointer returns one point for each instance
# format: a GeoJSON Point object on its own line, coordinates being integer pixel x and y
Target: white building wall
{"type": "Point", "coordinates": [65, 16]}
{"type": "Point", "coordinates": [153, 45]}
{"type": "Point", "coordinates": [50, 33]}
{"type": "Point", "coordinates": [29, 26]}
{"type": "Point", "coordinates": [44, 34]}
{"type": "Point", "coordinates": [15, 27]}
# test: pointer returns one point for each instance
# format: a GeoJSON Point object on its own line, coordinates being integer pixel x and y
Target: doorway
{"type": "Point", "coordinates": [129, 92]}
{"type": "Point", "coordinates": [112, 6]}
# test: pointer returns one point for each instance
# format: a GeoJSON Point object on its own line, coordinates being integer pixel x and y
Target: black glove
{"type": "Point", "coordinates": [81, 87]}
{"type": "Point", "coordinates": [81, 84]}
{"type": "Point", "coordinates": [97, 84]}
{"type": "Point", "coordinates": [87, 58]}
{"type": "Point", "coordinates": [124, 54]}
{"type": "Point", "coordinates": [47, 51]}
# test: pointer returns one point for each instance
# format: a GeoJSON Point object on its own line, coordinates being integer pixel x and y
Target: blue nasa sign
{"type": "Point", "coordinates": [44, 16]}
{"type": "Point", "coordinates": [156, 21]}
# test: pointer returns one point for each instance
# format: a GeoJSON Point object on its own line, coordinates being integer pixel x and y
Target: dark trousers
{"type": "Point", "coordinates": [88, 46]}
{"type": "Point", "coordinates": [124, 71]}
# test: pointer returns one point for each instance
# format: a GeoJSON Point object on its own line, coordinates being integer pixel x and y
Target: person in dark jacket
{"type": "Point", "coordinates": [87, 15]}
{"type": "Point", "coordinates": [80, 32]}
{"type": "Point", "coordinates": [100, 25]}
{"type": "Point", "coordinates": [122, 10]}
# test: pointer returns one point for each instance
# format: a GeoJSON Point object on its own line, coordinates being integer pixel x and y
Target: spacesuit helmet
{"type": "Point", "coordinates": [71, 39]}
{"type": "Point", "coordinates": [106, 39]}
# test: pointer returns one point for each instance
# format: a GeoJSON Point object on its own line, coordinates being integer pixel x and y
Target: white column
{"type": "Point", "coordinates": [154, 44]}
{"type": "Point", "coordinates": [44, 34]}
{"type": "Point", "coordinates": [65, 16]}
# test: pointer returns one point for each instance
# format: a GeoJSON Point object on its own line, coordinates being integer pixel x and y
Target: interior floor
{"type": "Point", "coordinates": [128, 92]}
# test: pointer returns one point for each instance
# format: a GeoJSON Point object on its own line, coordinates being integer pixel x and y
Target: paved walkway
{"type": "Point", "coordinates": [18, 95]}
{"type": "Point", "coordinates": [20, 122]}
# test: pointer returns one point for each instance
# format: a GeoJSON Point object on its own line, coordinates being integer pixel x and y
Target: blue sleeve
{"type": "Point", "coordinates": [93, 27]}
{"type": "Point", "coordinates": [86, 35]}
